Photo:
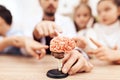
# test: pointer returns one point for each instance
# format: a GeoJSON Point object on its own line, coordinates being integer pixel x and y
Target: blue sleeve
{"type": "Point", "coordinates": [14, 32]}
{"type": "Point", "coordinates": [11, 49]}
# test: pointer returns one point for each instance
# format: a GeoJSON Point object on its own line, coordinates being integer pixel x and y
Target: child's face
{"type": "Point", "coordinates": [3, 27]}
{"type": "Point", "coordinates": [82, 16]}
{"type": "Point", "coordinates": [49, 6]}
{"type": "Point", "coordinates": [108, 12]}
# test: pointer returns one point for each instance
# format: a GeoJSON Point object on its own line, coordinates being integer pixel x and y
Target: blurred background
{"type": "Point", "coordinates": [23, 10]}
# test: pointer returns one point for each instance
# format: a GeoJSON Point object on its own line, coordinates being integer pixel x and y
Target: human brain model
{"type": "Point", "coordinates": [60, 45]}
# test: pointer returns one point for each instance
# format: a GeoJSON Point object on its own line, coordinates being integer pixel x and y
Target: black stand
{"type": "Point", "coordinates": [54, 73]}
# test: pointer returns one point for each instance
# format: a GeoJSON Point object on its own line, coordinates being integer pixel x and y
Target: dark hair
{"type": "Point", "coordinates": [114, 1]}
{"type": "Point", "coordinates": [117, 2]}
{"type": "Point", "coordinates": [82, 4]}
{"type": "Point", "coordinates": [6, 15]}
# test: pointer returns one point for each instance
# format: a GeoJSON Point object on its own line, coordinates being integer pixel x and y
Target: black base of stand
{"type": "Point", "coordinates": [54, 73]}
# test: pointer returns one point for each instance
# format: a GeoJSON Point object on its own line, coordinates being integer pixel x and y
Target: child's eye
{"type": "Point", "coordinates": [55, 0]}
{"type": "Point", "coordinates": [85, 15]}
{"type": "Point", "coordinates": [78, 15]}
{"type": "Point", "coordinates": [107, 9]}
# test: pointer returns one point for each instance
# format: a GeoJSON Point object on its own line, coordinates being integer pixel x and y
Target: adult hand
{"type": "Point", "coordinates": [74, 62]}
{"type": "Point", "coordinates": [46, 28]}
{"type": "Point", "coordinates": [35, 49]}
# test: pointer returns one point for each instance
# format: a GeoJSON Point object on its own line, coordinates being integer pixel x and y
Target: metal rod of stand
{"type": "Point", "coordinates": [60, 64]}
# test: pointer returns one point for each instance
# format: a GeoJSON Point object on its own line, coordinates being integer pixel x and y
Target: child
{"type": "Point", "coordinates": [106, 33]}
{"type": "Point", "coordinates": [83, 20]}
{"type": "Point", "coordinates": [11, 40]}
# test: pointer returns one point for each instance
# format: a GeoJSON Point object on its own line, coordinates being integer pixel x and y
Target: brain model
{"type": "Point", "coordinates": [62, 44]}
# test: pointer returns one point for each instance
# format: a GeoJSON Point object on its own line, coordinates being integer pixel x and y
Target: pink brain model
{"type": "Point", "coordinates": [62, 44]}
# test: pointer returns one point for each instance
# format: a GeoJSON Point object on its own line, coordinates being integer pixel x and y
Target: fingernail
{"type": "Point", "coordinates": [65, 70]}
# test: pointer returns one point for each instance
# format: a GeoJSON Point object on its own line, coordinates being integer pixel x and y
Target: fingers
{"type": "Point", "coordinates": [41, 30]}
{"type": "Point", "coordinates": [42, 53]}
{"type": "Point", "coordinates": [57, 28]}
{"type": "Point", "coordinates": [43, 47]}
{"type": "Point", "coordinates": [32, 53]}
{"type": "Point", "coordinates": [78, 65]}
{"type": "Point", "coordinates": [69, 63]}
{"type": "Point", "coordinates": [46, 28]}
{"type": "Point", "coordinates": [96, 43]}
{"type": "Point", "coordinates": [96, 51]}
{"type": "Point", "coordinates": [87, 67]}
{"type": "Point", "coordinates": [98, 55]}
{"type": "Point", "coordinates": [38, 54]}
{"type": "Point", "coordinates": [39, 46]}
{"type": "Point", "coordinates": [38, 32]}
{"type": "Point", "coordinates": [66, 57]}
{"type": "Point", "coordinates": [35, 48]}
{"type": "Point", "coordinates": [80, 42]}
{"type": "Point", "coordinates": [102, 58]}
{"type": "Point", "coordinates": [51, 30]}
